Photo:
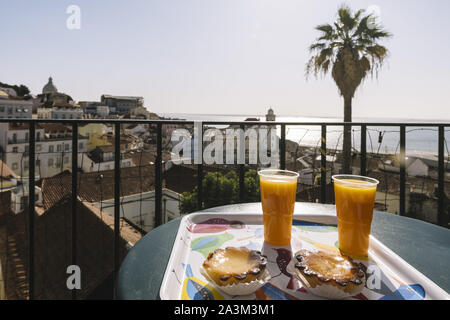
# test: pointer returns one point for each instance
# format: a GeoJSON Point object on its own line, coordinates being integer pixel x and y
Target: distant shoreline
{"type": "Point", "coordinates": [211, 116]}
{"type": "Point", "coordinates": [422, 142]}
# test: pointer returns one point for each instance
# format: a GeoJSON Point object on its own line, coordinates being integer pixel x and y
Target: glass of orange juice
{"type": "Point", "coordinates": [278, 191]}
{"type": "Point", "coordinates": [355, 198]}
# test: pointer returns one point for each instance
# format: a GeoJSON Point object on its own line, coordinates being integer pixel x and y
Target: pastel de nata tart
{"type": "Point", "coordinates": [329, 275]}
{"type": "Point", "coordinates": [234, 265]}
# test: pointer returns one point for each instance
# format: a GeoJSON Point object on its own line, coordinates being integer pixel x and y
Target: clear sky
{"type": "Point", "coordinates": [223, 56]}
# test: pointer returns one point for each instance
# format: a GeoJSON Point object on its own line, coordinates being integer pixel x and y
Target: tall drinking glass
{"type": "Point", "coordinates": [355, 199]}
{"type": "Point", "coordinates": [278, 191]}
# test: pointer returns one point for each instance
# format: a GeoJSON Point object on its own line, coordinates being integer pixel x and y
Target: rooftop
{"type": "Point", "coordinates": [6, 172]}
{"type": "Point", "coordinates": [108, 96]}
{"type": "Point", "coordinates": [95, 234]}
{"type": "Point", "coordinates": [97, 186]}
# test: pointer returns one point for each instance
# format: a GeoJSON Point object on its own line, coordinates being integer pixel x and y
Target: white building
{"type": "Point", "coordinates": [140, 208]}
{"type": "Point", "coordinates": [53, 148]}
{"type": "Point", "coordinates": [94, 109]}
{"type": "Point", "coordinates": [67, 112]}
{"type": "Point", "coordinates": [89, 165]}
{"type": "Point", "coordinates": [121, 104]}
{"type": "Point", "coordinates": [60, 111]}
{"type": "Point", "coordinates": [102, 111]}
{"type": "Point", "coordinates": [44, 113]}
{"type": "Point", "coordinates": [14, 108]}
{"type": "Point", "coordinates": [20, 197]}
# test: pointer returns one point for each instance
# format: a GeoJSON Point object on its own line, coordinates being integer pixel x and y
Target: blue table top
{"type": "Point", "coordinates": [424, 246]}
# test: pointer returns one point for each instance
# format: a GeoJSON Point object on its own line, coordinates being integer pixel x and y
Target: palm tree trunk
{"type": "Point", "coordinates": [347, 144]}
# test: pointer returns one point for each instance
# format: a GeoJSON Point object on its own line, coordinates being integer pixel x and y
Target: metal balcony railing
{"type": "Point", "coordinates": [158, 168]}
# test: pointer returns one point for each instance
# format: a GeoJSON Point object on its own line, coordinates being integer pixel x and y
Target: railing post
{"type": "Point", "coordinates": [31, 203]}
{"type": "Point", "coordinates": [242, 171]}
{"type": "Point", "coordinates": [402, 169]}
{"type": "Point", "coordinates": [442, 216]}
{"type": "Point", "coordinates": [323, 165]}
{"type": "Point", "coordinates": [158, 180]}
{"type": "Point", "coordinates": [200, 166]}
{"type": "Point", "coordinates": [283, 147]}
{"type": "Point", "coordinates": [74, 196]}
{"type": "Point", "coordinates": [363, 159]}
{"type": "Point", "coordinates": [117, 161]}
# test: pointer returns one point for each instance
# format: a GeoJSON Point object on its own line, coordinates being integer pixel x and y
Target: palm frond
{"type": "Point", "coordinates": [327, 28]}
{"type": "Point", "coordinates": [345, 17]}
{"type": "Point", "coordinates": [317, 46]}
{"type": "Point", "coordinates": [352, 43]}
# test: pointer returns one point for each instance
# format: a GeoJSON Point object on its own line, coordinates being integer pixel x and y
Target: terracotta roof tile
{"type": "Point", "coordinates": [97, 186]}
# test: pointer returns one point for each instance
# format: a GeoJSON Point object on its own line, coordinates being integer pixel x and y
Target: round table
{"type": "Point", "coordinates": [423, 245]}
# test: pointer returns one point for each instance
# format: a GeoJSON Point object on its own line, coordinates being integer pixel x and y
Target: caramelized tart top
{"type": "Point", "coordinates": [235, 262]}
{"type": "Point", "coordinates": [330, 267]}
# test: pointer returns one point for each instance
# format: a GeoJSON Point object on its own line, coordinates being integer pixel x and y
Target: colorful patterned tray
{"type": "Point", "coordinates": [389, 277]}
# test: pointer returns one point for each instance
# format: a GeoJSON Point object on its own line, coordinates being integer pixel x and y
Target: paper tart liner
{"type": "Point", "coordinates": [324, 290]}
{"type": "Point", "coordinates": [240, 289]}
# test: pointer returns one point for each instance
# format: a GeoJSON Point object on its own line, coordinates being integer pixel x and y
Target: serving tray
{"type": "Point", "coordinates": [388, 276]}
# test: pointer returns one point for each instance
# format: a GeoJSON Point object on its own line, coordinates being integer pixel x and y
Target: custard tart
{"type": "Point", "coordinates": [234, 265]}
{"type": "Point", "coordinates": [329, 271]}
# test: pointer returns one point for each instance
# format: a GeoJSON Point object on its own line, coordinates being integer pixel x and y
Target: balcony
{"type": "Point", "coordinates": [324, 160]}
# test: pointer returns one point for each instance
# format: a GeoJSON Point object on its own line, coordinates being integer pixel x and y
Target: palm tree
{"type": "Point", "coordinates": [349, 48]}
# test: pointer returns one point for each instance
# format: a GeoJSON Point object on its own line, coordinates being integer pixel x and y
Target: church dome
{"type": "Point", "coordinates": [49, 87]}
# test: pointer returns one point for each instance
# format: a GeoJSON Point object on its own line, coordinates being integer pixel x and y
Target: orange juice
{"type": "Point", "coordinates": [278, 190]}
{"type": "Point", "coordinates": [355, 198]}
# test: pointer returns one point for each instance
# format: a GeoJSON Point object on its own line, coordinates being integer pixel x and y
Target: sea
{"type": "Point", "coordinates": [420, 141]}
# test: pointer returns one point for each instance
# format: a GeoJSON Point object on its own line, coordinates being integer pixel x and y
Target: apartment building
{"type": "Point", "coordinates": [53, 148]}
{"type": "Point", "coordinates": [121, 104]}
{"type": "Point", "coordinates": [14, 108]}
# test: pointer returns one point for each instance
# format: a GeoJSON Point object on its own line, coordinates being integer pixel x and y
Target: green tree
{"type": "Point", "coordinates": [21, 90]}
{"type": "Point", "coordinates": [221, 189]}
{"type": "Point", "coordinates": [350, 49]}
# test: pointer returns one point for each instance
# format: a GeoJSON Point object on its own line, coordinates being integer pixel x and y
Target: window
{"type": "Point", "coordinates": [27, 149]}
{"type": "Point", "coordinates": [38, 136]}
{"type": "Point", "coordinates": [38, 163]}
{"type": "Point", "coordinates": [2, 109]}
{"type": "Point", "coordinates": [38, 147]}
{"type": "Point", "coordinates": [66, 160]}
{"type": "Point", "coordinates": [50, 162]}
{"type": "Point", "coordinates": [15, 166]}
{"type": "Point", "coordinates": [14, 137]}
{"type": "Point", "coordinates": [50, 149]}
{"type": "Point", "coordinates": [15, 149]}
{"type": "Point", "coordinates": [66, 147]}
{"type": "Point", "coordinates": [81, 145]}
{"type": "Point", "coordinates": [58, 148]}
